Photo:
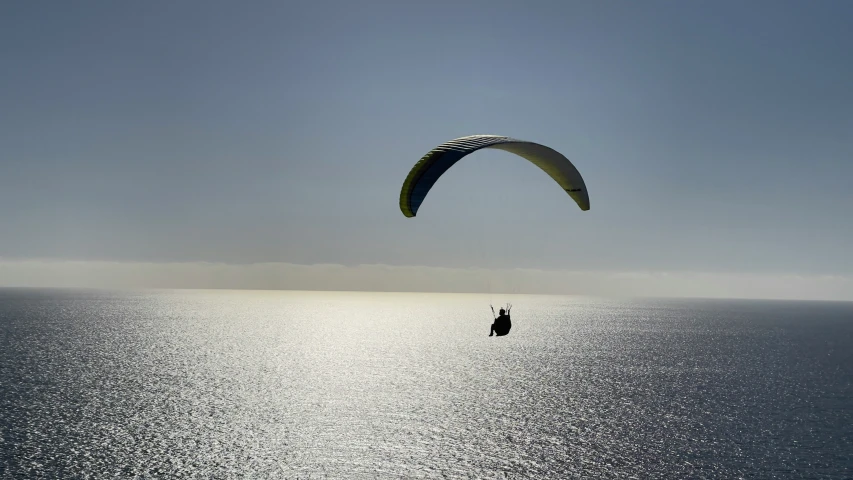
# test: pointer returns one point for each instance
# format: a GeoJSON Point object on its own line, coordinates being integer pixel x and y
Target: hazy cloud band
{"type": "Point", "coordinates": [286, 276]}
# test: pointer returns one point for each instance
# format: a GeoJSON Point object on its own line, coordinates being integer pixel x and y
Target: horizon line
{"type": "Point", "coordinates": [377, 277]}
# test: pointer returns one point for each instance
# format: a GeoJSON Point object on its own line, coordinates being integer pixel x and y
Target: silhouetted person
{"type": "Point", "coordinates": [502, 323]}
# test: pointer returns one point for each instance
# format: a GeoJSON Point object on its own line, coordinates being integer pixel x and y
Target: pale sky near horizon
{"type": "Point", "coordinates": [715, 137]}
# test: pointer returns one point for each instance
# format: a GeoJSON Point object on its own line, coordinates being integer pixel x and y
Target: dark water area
{"type": "Point", "coordinates": [250, 384]}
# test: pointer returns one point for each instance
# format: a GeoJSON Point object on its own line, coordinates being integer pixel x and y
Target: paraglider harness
{"type": "Point", "coordinates": [502, 324]}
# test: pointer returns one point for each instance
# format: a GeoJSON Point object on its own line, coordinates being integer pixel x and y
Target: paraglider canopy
{"type": "Point", "coordinates": [431, 166]}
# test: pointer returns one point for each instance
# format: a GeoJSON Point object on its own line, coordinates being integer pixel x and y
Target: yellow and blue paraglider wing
{"type": "Point", "coordinates": [432, 166]}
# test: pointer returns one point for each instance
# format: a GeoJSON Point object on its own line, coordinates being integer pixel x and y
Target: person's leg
{"type": "Point", "coordinates": [502, 331]}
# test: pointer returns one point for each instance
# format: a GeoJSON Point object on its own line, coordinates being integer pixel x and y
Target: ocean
{"type": "Point", "coordinates": [271, 384]}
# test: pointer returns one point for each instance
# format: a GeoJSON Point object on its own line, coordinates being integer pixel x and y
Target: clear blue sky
{"type": "Point", "coordinates": [713, 136]}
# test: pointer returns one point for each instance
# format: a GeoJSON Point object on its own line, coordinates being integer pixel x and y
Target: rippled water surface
{"type": "Point", "coordinates": [221, 384]}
